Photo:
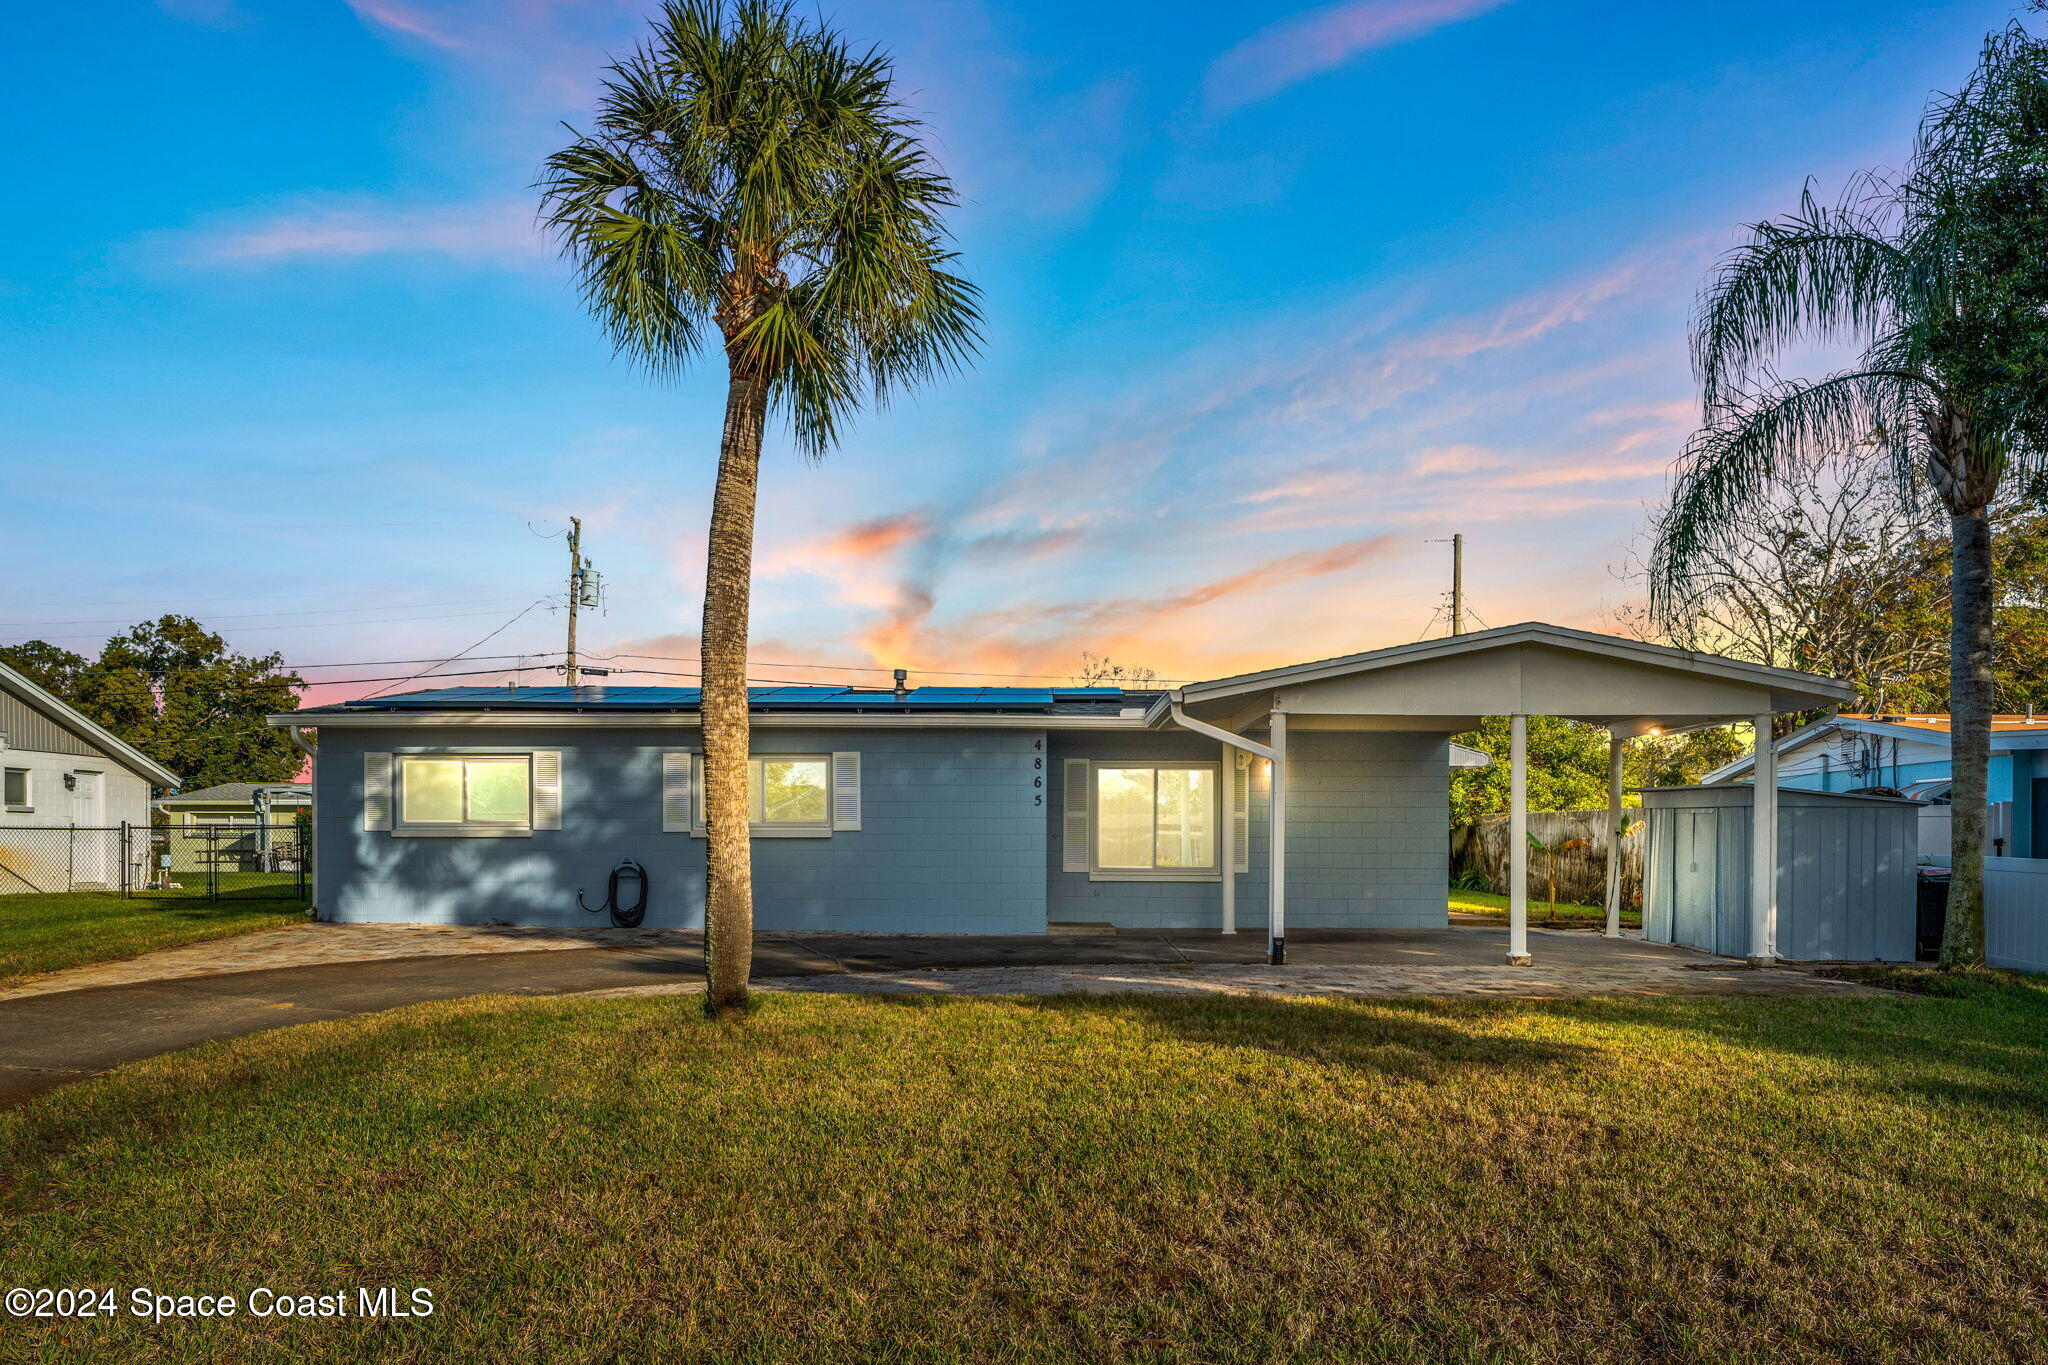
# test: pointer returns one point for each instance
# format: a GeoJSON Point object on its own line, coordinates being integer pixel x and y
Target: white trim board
{"type": "Point", "coordinates": [118, 749]}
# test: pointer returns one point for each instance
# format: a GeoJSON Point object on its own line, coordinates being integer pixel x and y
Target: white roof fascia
{"type": "Point", "coordinates": [117, 747]}
{"type": "Point", "coordinates": [383, 720]}
{"type": "Point", "coordinates": [1528, 632]}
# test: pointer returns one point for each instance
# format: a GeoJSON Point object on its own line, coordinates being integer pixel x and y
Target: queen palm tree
{"type": "Point", "coordinates": [750, 177]}
{"type": "Point", "coordinates": [1926, 275]}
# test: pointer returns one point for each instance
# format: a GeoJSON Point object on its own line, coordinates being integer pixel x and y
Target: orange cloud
{"type": "Point", "coordinates": [877, 537]}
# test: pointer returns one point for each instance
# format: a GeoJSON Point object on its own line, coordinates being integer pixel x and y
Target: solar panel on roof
{"type": "Point", "coordinates": [789, 696]}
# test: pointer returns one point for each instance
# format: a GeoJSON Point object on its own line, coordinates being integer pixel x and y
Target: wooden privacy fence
{"type": "Point", "coordinates": [1482, 847]}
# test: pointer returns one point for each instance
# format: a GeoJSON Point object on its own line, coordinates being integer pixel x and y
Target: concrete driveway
{"type": "Point", "coordinates": [52, 1038]}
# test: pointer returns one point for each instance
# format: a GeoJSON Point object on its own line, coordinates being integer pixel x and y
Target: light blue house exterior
{"type": "Point", "coordinates": [960, 830]}
{"type": "Point", "coordinates": [1911, 753]}
{"type": "Point", "coordinates": [972, 810]}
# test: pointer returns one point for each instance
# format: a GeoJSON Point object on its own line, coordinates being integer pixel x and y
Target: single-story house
{"type": "Point", "coordinates": [1910, 753]}
{"type": "Point", "coordinates": [238, 826]}
{"type": "Point", "coordinates": [239, 803]}
{"type": "Point", "coordinates": [59, 770]}
{"type": "Point", "coordinates": [1314, 794]}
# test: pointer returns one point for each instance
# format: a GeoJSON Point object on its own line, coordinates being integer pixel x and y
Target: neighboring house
{"type": "Point", "coordinates": [1911, 754]}
{"type": "Point", "coordinates": [59, 770]}
{"type": "Point", "coordinates": [238, 826]}
{"type": "Point", "coordinates": [978, 810]}
{"type": "Point", "coordinates": [239, 803]}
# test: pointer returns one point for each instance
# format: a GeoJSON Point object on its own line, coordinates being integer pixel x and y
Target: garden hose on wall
{"type": "Point", "coordinates": [623, 916]}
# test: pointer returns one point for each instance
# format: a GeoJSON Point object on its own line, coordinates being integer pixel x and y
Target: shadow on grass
{"type": "Point", "coordinates": [1406, 1044]}
{"type": "Point", "coordinates": [1977, 1041]}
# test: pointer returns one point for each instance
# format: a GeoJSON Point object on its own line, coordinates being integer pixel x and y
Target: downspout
{"type": "Point", "coordinates": [1276, 942]}
{"type": "Point", "coordinates": [311, 749]}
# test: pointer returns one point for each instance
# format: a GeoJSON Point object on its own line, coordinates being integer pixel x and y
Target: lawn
{"type": "Point", "coordinates": [1072, 1179]}
{"type": "Point", "coordinates": [45, 933]}
{"type": "Point", "coordinates": [1570, 915]}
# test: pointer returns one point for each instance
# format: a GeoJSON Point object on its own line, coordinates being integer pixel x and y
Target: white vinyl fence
{"type": "Point", "coordinates": [2016, 913]}
{"type": "Point", "coordinates": [1936, 822]}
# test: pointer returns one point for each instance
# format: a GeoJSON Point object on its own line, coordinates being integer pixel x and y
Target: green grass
{"type": "Point", "coordinates": [1117, 1179]}
{"type": "Point", "coordinates": [46, 933]}
{"type": "Point", "coordinates": [1570, 915]}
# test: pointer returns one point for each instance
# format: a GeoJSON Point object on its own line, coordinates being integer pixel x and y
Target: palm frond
{"type": "Point", "coordinates": [1815, 272]}
{"type": "Point", "coordinates": [749, 170]}
{"type": "Point", "coordinates": [1764, 438]}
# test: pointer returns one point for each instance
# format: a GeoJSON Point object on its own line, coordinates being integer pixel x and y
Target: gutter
{"type": "Point", "coordinates": [386, 720]}
{"type": "Point", "coordinates": [1202, 727]}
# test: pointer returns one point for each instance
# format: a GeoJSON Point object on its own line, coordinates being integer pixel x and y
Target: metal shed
{"type": "Point", "coordinates": [1844, 872]}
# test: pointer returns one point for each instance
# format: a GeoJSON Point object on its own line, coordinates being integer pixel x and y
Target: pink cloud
{"type": "Point", "coordinates": [1309, 44]}
{"type": "Point", "coordinates": [411, 21]}
{"type": "Point", "coordinates": [502, 234]}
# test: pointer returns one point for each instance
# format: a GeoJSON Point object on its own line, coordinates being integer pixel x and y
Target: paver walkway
{"type": "Point", "coordinates": [52, 1037]}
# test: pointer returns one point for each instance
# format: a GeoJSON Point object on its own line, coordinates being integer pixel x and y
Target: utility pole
{"type": "Point", "coordinates": [1457, 585]}
{"type": "Point", "coordinates": [575, 589]}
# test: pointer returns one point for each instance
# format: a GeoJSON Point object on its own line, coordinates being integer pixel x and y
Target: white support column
{"type": "Point", "coordinates": [1518, 841]}
{"type": "Point", "coordinates": [1763, 849]}
{"type": "Point", "coordinates": [1276, 911]}
{"type": "Point", "coordinates": [1226, 813]}
{"type": "Point", "coordinates": [1616, 745]}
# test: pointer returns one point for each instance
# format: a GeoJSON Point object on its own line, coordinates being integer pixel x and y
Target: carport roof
{"type": "Point", "coordinates": [1634, 666]}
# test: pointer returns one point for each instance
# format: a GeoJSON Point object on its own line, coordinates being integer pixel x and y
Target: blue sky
{"type": "Point", "coordinates": [1277, 295]}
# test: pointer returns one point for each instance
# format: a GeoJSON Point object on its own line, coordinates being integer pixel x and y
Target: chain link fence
{"type": "Point", "coordinates": [202, 862]}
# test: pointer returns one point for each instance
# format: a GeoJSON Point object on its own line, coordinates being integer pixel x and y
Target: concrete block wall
{"type": "Point", "coordinates": [1368, 839]}
{"type": "Point", "coordinates": [1367, 836]}
{"type": "Point", "coordinates": [952, 838]}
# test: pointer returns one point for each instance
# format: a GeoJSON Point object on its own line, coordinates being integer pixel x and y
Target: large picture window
{"type": "Point", "coordinates": [1155, 819]}
{"type": "Point", "coordinates": [481, 792]}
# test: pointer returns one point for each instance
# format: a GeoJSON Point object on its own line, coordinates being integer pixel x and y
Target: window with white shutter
{"type": "Point", "coordinates": [791, 796]}
{"type": "Point", "coordinates": [1074, 784]}
{"type": "Point", "coordinates": [677, 783]}
{"type": "Point", "coordinates": [376, 791]}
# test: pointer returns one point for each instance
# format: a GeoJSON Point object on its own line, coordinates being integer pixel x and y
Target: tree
{"type": "Point", "coordinates": [174, 690]}
{"type": "Point", "coordinates": [50, 667]}
{"type": "Point", "coordinates": [1920, 275]}
{"type": "Point", "coordinates": [1568, 764]}
{"type": "Point", "coordinates": [1833, 571]}
{"type": "Point", "coordinates": [1099, 670]}
{"type": "Point", "coordinates": [1825, 572]}
{"type": "Point", "coordinates": [749, 174]}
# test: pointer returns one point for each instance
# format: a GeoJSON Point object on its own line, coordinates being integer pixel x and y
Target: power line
{"type": "Point", "coordinates": [465, 673]}
{"type": "Point", "coordinates": [542, 601]}
{"type": "Point", "coordinates": [260, 615]}
{"type": "Point", "coordinates": [868, 668]}
{"type": "Point", "coordinates": [303, 625]}
{"type": "Point", "coordinates": [232, 597]}
{"type": "Point", "coordinates": [389, 663]}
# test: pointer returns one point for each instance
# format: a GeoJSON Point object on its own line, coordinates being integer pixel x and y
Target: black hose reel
{"type": "Point", "coordinates": [632, 877]}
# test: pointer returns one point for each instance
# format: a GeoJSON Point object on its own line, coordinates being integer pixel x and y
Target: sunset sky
{"type": "Point", "coordinates": [1278, 298]}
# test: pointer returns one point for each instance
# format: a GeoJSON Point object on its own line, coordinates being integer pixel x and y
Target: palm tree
{"type": "Point", "coordinates": [1910, 271]}
{"type": "Point", "coordinates": [748, 172]}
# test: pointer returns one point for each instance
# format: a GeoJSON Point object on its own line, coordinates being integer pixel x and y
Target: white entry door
{"type": "Point", "coordinates": [90, 846]}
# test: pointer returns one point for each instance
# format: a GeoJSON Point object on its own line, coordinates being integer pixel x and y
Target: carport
{"type": "Point", "coordinates": [1444, 687]}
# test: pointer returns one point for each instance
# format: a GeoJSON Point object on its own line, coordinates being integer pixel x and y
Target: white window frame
{"type": "Point", "coordinates": [1213, 873]}
{"type": "Point", "coordinates": [27, 804]}
{"type": "Point", "coordinates": [465, 829]}
{"type": "Point", "coordinates": [200, 817]}
{"type": "Point", "coordinates": [778, 829]}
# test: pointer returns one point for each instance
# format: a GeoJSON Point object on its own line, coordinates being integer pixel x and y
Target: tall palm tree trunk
{"type": "Point", "coordinates": [728, 580]}
{"type": "Point", "coordinates": [1962, 943]}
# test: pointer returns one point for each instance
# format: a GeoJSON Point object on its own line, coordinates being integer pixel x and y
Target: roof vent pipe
{"type": "Point", "coordinates": [902, 683]}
